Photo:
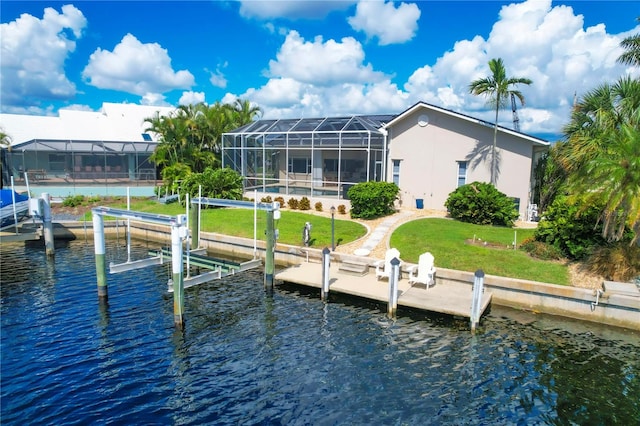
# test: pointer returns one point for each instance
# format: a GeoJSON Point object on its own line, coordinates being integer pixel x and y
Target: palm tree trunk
{"type": "Point", "coordinates": [493, 149]}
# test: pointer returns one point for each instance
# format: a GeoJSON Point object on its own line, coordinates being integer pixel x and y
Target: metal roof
{"type": "Point", "coordinates": [355, 123]}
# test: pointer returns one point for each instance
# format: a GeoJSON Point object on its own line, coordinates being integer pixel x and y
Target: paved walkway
{"type": "Point", "coordinates": [379, 233]}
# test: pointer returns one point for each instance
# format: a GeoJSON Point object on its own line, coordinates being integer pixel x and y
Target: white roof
{"type": "Point", "coordinates": [114, 122]}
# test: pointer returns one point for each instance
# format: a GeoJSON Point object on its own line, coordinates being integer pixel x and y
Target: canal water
{"type": "Point", "coordinates": [248, 357]}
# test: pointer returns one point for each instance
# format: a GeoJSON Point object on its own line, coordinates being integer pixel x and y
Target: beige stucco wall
{"type": "Point", "coordinates": [429, 158]}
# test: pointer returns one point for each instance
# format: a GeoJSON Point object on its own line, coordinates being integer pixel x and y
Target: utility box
{"type": "Point", "coordinates": [419, 203]}
{"type": "Point", "coordinates": [36, 207]}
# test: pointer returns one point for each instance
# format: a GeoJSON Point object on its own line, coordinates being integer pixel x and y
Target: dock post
{"type": "Point", "coordinates": [269, 252]}
{"type": "Point", "coordinates": [177, 231]}
{"type": "Point", "coordinates": [47, 226]}
{"type": "Point", "coordinates": [478, 288]}
{"type": "Point", "coordinates": [324, 294]}
{"type": "Point", "coordinates": [393, 286]}
{"type": "Point", "coordinates": [98, 242]}
{"type": "Point", "coordinates": [195, 226]}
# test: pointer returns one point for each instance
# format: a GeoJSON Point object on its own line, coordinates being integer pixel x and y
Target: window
{"type": "Point", "coordinates": [396, 172]}
{"type": "Point", "coordinates": [146, 137]}
{"type": "Point", "coordinates": [462, 173]}
{"type": "Point", "coordinates": [299, 165]}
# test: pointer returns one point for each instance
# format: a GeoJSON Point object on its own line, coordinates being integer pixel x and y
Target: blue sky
{"type": "Point", "coordinates": [309, 58]}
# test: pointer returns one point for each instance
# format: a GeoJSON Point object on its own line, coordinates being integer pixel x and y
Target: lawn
{"type": "Point", "coordinates": [447, 240]}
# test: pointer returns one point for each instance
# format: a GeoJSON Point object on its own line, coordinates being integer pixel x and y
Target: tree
{"type": "Point", "coordinates": [497, 88]}
{"type": "Point", "coordinates": [601, 155]}
{"type": "Point", "coordinates": [631, 44]}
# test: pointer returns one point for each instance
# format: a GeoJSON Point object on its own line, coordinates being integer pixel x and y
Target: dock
{"type": "Point", "coordinates": [448, 297]}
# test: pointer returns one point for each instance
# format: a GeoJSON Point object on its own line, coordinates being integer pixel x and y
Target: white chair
{"type": "Point", "coordinates": [383, 268]}
{"type": "Point", "coordinates": [424, 272]}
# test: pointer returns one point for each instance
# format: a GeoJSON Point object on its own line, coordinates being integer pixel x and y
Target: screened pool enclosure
{"type": "Point", "coordinates": [318, 157]}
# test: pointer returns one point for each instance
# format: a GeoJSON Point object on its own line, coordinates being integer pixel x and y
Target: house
{"type": "Point", "coordinates": [426, 150]}
{"type": "Point", "coordinates": [432, 151]}
{"type": "Point", "coordinates": [83, 146]}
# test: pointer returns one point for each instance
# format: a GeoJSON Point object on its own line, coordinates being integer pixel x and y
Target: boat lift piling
{"type": "Point", "coordinates": [273, 214]}
{"type": "Point", "coordinates": [179, 231]}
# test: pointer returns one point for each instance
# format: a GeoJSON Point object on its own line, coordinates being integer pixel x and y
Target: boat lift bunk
{"type": "Point", "coordinates": [219, 268]}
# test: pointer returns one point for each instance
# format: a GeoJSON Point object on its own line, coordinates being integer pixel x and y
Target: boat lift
{"type": "Point", "coordinates": [179, 232]}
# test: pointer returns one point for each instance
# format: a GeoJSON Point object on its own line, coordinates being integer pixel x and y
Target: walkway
{"type": "Point", "coordinates": [379, 233]}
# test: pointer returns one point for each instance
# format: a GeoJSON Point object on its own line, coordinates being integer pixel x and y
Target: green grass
{"type": "Point", "coordinates": [239, 223]}
{"type": "Point", "coordinates": [446, 240]}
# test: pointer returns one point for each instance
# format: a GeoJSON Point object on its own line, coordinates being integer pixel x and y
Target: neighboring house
{"type": "Point", "coordinates": [83, 146]}
{"type": "Point", "coordinates": [432, 151]}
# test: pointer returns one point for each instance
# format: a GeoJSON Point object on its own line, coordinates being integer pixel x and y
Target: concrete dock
{"type": "Point", "coordinates": [446, 298]}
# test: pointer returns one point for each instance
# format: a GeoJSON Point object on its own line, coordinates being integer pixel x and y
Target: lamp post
{"type": "Point", "coordinates": [333, 228]}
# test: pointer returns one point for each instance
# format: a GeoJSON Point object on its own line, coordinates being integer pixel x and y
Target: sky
{"type": "Point", "coordinates": [309, 58]}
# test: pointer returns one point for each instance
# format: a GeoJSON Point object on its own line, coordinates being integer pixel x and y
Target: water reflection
{"type": "Point", "coordinates": [249, 356]}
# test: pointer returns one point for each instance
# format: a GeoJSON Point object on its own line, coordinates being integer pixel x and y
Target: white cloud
{"type": "Point", "coordinates": [217, 78]}
{"type": "Point", "coordinates": [322, 63]}
{"type": "Point", "coordinates": [135, 67]}
{"type": "Point", "coordinates": [291, 9]}
{"type": "Point", "coordinates": [381, 19]}
{"type": "Point", "coordinates": [155, 99]}
{"type": "Point", "coordinates": [191, 98]}
{"type": "Point", "coordinates": [33, 54]}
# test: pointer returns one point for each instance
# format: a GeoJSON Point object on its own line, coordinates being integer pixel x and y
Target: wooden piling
{"type": "Point", "coordinates": [324, 293]}
{"type": "Point", "coordinates": [47, 226]}
{"type": "Point", "coordinates": [177, 276]}
{"type": "Point", "coordinates": [269, 254]}
{"type": "Point", "coordinates": [393, 287]}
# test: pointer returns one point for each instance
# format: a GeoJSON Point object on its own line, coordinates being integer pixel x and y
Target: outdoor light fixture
{"type": "Point", "coordinates": [333, 228]}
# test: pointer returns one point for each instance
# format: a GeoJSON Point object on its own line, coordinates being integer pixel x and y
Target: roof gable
{"type": "Point", "coordinates": [423, 105]}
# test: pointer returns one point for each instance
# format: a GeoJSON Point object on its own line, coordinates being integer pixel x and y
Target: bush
{"type": "Point", "coordinates": [171, 177]}
{"type": "Point", "coordinates": [280, 200]}
{"type": "Point", "coordinates": [293, 203]}
{"type": "Point", "coordinates": [305, 204]}
{"type": "Point", "coordinates": [540, 250]}
{"type": "Point", "coordinates": [216, 183]}
{"type": "Point", "coordinates": [572, 227]}
{"type": "Point", "coordinates": [342, 209]}
{"type": "Point", "coordinates": [266, 199]}
{"type": "Point", "coordinates": [482, 204]}
{"type": "Point", "coordinates": [318, 206]}
{"type": "Point", "coordinates": [73, 201]}
{"type": "Point", "coordinates": [616, 262]}
{"type": "Point", "coordinates": [370, 200]}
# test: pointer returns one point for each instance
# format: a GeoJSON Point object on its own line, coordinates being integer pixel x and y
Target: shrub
{"type": "Point", "coordinates": [370, 200]}
{"type": "Point", "coordinates": [73, 201]}
{"type": "Point", "coordinates": [172, 176]}
{"type": "Point", "coordinates": [342, 209]}
{"type": "Point", "coordinates": [616, 262]}
{"type": "Point", "coordinates": [266, 199]}
{"type": "Point", "coordinates": [482, 204]}
{"type": "Point", "coordinates": [293, 203]}
{"type": "Point", "coordinates": [280, 200]}
{"type": "Point", "coordinates": [215, 183]}
{"type": "Point", "coordinates": [572, 227]}
{"type": "Point", "coordinates": [540, 250]}
{"type": "Point", "coordinates": [305, 204]}
{"type": "Point", "coordinates": [318, 206]}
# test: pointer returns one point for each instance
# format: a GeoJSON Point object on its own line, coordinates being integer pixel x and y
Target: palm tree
{"type": "Point", "coordinates": [632, 46]}
{"type": "Point", "coordinates": [5, 141]}
{"type": "Point", "coordinates": [601, 154]}
{"type": "Point", "coordinates": [497, 87]}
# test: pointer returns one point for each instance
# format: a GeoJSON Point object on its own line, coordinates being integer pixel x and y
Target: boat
{"type": "Point", "coordinates": [12, 206]}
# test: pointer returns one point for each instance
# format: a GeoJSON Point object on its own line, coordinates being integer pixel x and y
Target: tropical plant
{"type": "Point", "coordinates": [214, 183]}
{"type": "Point", "coordinates": [192, 133]}
{"type": "Point", "coordinates": [5, 141]}
{"type": "Point", "coordinates": [570, 225]}
{"type": "Point", "coordinates": [601, 155]}
{"type": "Point", "coordinates": [631, 44]}
{"type": "Point", "coordinates": [481, 203]}
{"type": "Point", "coordinates": [370, 200]}
{"type": "Point", "coordinates": [497, 88]}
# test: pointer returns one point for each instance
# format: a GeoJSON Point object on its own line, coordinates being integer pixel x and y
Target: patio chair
{"type": "Point", "coordinates": [383, 267]}
{"type": "Point", "coordinates": [424, 272]}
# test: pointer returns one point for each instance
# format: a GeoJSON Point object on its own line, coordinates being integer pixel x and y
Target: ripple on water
{"type": "Point", "coordinates": [246, 357]}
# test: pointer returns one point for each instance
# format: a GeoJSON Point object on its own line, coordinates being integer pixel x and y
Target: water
{"type": "Point", "coordinates": [246, 357]}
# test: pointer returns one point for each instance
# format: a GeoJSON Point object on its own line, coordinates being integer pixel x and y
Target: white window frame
{"type": "Point", "coordinates": [461, 176]}
{"type": "Point", "coordinates": [395, 174]}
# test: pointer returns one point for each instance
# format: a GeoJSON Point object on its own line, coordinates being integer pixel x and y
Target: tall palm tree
{"type": "Point", "coordinates": [631, 44]}
{"type": "Point", "coordinates": [601, 154]}
{"type": "Point", "coordinates": [498, 89]}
